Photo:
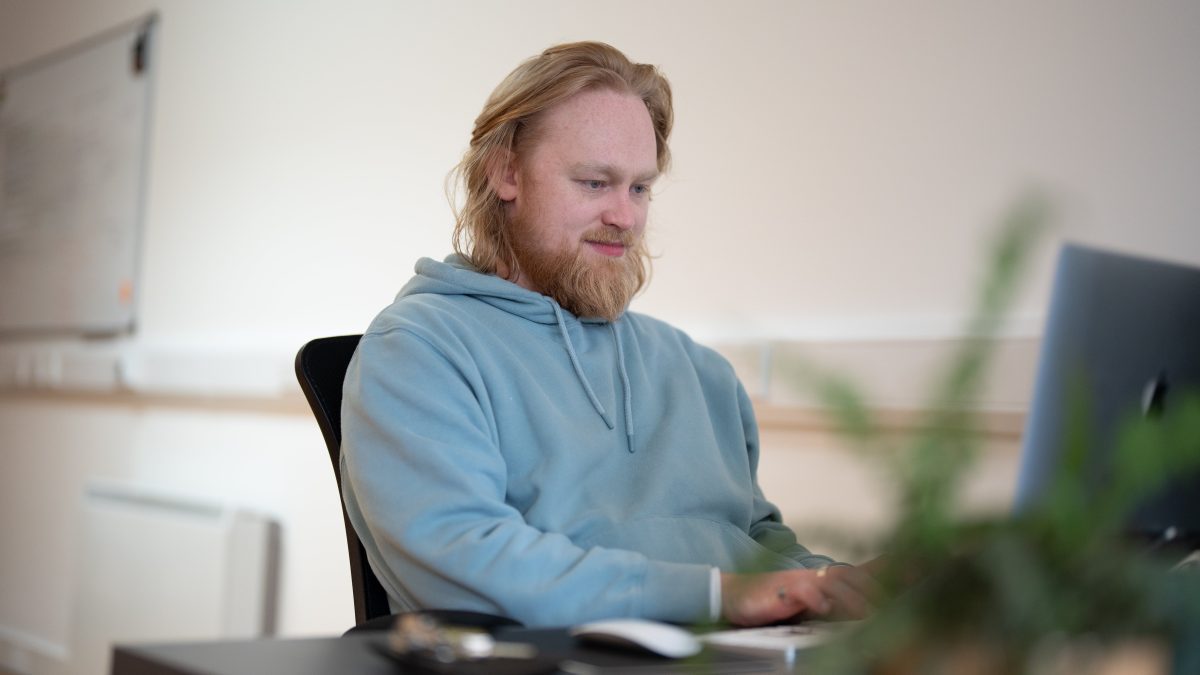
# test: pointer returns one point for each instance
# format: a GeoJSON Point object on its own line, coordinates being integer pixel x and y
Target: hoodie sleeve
{"type": "Point", "coordinates": [424, 483]}
{"type": "Point", "coordinates": [768, 528]}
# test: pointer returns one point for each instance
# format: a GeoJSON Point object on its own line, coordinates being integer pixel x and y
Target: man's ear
{"type": "Point", "coordinates": [502, 175]}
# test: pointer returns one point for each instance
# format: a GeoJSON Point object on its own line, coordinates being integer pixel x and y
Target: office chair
{"type": "Point", "coordinates": [321, 367]}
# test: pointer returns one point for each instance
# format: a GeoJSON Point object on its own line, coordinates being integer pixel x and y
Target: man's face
{"type": "Point", "coordinates": [578, 200]}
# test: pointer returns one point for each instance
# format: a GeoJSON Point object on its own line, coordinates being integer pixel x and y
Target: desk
{"type": "Point", "coordinates": [359, 654]}
{"type": "Point", "coordinates": [349, 654]}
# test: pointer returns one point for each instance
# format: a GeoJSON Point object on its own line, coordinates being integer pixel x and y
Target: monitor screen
{"type": "Point", "coordinates": [1122, 338]}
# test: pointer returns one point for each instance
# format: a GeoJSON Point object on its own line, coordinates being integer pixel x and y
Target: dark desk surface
{"type": "Point", "coordinates": [349, 654]}
{"type": "Point", "coordinates": [364, 654]}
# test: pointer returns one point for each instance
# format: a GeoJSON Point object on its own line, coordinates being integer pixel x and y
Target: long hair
{"type": "Point", "coordinates": [510, 120]}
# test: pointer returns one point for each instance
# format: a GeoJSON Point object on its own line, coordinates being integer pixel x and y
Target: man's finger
{"type": "Point", "coordinates": [857, 579]}
{"type": "Point", "coordinates": [804, 596]}
{"type": "Point", "coordinates": [848, 601]}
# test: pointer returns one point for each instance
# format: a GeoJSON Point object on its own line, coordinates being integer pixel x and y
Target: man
{"type": "Point", "coordinates": [515, 441]}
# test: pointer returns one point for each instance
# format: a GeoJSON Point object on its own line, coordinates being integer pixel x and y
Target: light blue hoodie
{"type": "Point", "coordinates": [501, 455]}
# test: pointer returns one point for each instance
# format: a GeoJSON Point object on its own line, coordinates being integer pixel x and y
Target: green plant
{"type": "Point", "coordinates": [1011, 594]}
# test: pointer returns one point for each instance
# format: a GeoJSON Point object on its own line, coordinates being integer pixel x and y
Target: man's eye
{"type": "Point", "coordinates": [593, 184]}
{"type": "Point", "coordinates": [640, 189]}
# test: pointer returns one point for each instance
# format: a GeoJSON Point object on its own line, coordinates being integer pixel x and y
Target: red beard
{"type": "Point", "coordinates": [584, 284]}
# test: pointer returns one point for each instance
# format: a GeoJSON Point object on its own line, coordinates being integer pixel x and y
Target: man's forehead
{"type": "Point", "coordinates": [602, 130]}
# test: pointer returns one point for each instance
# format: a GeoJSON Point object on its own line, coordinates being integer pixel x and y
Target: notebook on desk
{"type": "Point", "coordinates": [709, 661]}
{"type": "Point", "coordinates": [784, 640]}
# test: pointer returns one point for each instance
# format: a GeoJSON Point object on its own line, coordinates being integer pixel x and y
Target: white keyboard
{"type": "Point", "coordinates": [786, 640]}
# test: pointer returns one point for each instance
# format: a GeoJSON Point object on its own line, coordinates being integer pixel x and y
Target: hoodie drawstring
{"type": "Point", "coordinates": [587, 386]}
{"type": "Point", "coordinates": [625, 386]}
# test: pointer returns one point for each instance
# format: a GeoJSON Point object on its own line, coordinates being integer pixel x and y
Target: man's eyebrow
{"type": "Point", "coordinates": [610, 171]}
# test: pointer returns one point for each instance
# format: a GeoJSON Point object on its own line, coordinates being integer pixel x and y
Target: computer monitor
{"type": "Point", "coordinates": [1124, 332]}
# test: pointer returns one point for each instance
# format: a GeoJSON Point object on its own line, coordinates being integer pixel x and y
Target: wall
{"type": "Point", "coordinates": [838, 170]}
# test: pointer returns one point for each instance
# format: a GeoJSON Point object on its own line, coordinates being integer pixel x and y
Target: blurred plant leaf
{"type": "Point", "coordinates": [1013, 584]}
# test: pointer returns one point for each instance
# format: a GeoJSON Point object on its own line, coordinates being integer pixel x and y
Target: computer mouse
{"type": "Point", "coordinates": [657, 637]}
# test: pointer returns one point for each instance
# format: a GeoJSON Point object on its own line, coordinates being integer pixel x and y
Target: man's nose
{"type": "Point", "coordinates": [621, 212]}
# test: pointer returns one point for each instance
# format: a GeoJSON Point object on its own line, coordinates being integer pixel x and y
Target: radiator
{"type": "Point", "coordinates": [155, 567]}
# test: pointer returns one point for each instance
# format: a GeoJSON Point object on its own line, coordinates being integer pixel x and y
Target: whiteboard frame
{"type": "Point", "coordinates": [71, 239]}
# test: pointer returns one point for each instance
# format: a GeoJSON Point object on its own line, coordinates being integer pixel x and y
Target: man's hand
{"type": "Point", "coordinates": [838, 591]}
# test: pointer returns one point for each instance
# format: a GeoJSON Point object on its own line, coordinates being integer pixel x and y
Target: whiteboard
{"type": "Point", "coordinates": [73, 145]}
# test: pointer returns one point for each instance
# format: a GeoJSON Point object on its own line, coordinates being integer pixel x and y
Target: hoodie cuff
{"type": "Point", "coordinates": [677, 592]}
{"type": "Point", "coordinates": [714, 595]}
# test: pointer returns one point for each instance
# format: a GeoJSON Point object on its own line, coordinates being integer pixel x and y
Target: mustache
{"type": "Point", "coordinates": [611, 235]}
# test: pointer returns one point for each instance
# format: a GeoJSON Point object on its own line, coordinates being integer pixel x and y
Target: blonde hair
{"type": "Point", "coordinates": [510, 119]}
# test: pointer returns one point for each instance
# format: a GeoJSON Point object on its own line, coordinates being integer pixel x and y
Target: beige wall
{"type": "Point", "coordinates": [837, 164]}
{"type": "Point", "coordinates": [838, 168]}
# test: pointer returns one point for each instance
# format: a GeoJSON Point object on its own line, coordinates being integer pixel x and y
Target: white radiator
{"type": "Point", "coordinates": [155, 568]}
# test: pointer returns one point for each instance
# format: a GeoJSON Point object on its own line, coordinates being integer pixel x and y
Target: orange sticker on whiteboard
{"type": "Point", "coordinates": [125, 292]}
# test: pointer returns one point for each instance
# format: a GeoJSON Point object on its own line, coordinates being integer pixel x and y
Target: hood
{"type": "Point", "coordinates": [455, 276]}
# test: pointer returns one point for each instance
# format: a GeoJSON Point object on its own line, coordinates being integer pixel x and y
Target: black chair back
{"type": "Point", "coordinates": [321, 368]}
